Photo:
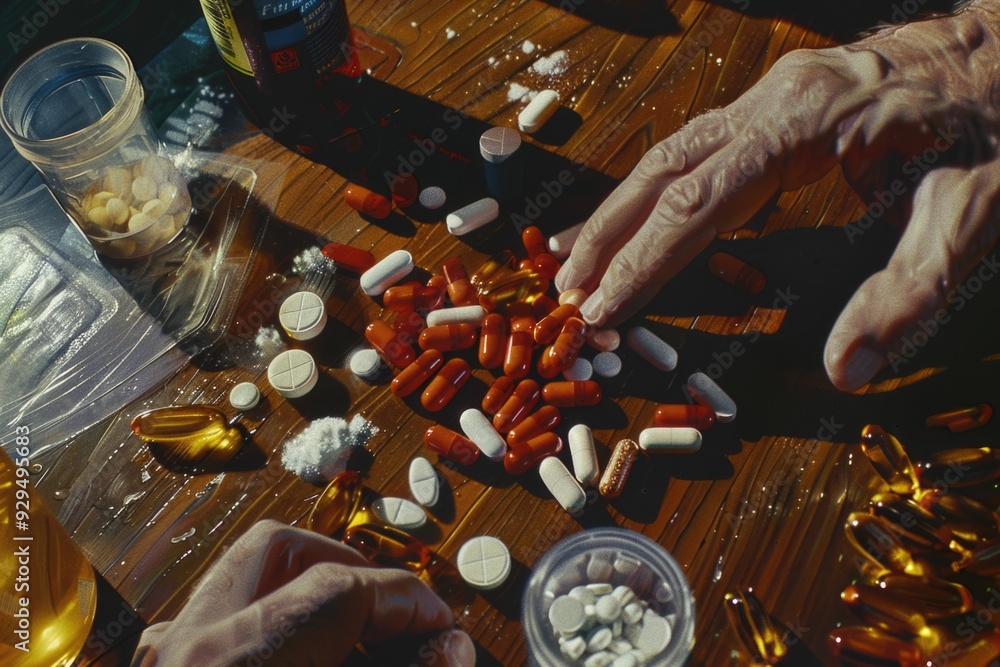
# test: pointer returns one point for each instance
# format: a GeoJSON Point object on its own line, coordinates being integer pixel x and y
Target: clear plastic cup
{"type": "Point", "coordinates": [618, 556]}
{"type": "Point", "coordinates": [75, 110]}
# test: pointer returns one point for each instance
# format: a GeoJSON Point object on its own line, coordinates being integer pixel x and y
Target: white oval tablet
{"type": "Point", "coordinates": [457, 315]}
{"type": "Point", "coordinates": [399, 512]}
{"type": "Point", "coordinates": [484, 562]}
{"type": "Point", "coordinates": [579, 371]}
{"type": "Point", "coordinates": [561, 244]}
{"type": "Point", "coordinates": [386, 273]}
{"type": "Point", "coordinates": [293, 373]}
{"type": "Point", "coordinates": [562, 485]}
{"type": "Point", "coordinates": [424, 483]}
{"type": "Point", "coordinates": [366, 364]}
{"type": "Point", "coordinates": [244, 396]}
{"type": "Point", "coordinates": [479, 430]}
{"type": "Point", "coordinates": [539, 110]}
{"type": "Point", "coordinates": [302, 315]}
{"type": "Point", "coordinates": [581, 448]}
{"type": "Point", "coordinates": [432, 197]}
{"type": "Point", "coordinates": [473, 216]}
{"type": "Point", "coordinates": [663, 439]}
{"type": "Point", "coordinates": [704, 390]}
{"type": "Point", "coordinates": [607, 364]}
{"type": "Point", "coordinates": [652, 348]}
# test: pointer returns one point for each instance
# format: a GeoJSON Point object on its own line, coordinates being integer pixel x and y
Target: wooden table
{"type": "Point", "coordinates": [762, 505]}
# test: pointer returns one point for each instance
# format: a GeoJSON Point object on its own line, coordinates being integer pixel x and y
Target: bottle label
{"type": "Point", "coordinates": [310, 34]}
{"type": "Point", "coordinates": [226, 35]}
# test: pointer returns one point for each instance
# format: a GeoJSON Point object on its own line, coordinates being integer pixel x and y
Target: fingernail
{"type": "Point", "coordinates": [592, 309]}
{"type": "Point", "coordinates": [862, 366]}
{"type": "Point", "coordinates": [615, 302]}
{"type": "Point", "coordinates": [459, 650]}
{"type": "Point", "coordinates": [566, 277]}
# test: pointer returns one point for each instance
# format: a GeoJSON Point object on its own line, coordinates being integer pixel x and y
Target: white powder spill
{"type": "Point", "coordinates": [308, 259]}
{"type": "Point", "coordinates": [551, 65]}
{"type": "Point", "coordinates": [492, 61]}
{"type": "Point", "coordinates": [413, 24]}
{"type": "Point", "coordinates": [528, 46]}
{"type": "Point", "coordinates": [519, 93]}
{"type": "Point", "coordinates": [449, 33]}
{"type": "Point", "coordinates": [320, 452]}
{"type": "Point", "coordinates": [268, 342]}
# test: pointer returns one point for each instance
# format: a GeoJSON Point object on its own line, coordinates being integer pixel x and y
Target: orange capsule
{"type": "Point", "coordinates": [889, 459]}
{"type": "Point", "coordinates": [618, 469]}
{"type": "Point", "coordinates": [365, 201]}
{"type": "Point", "coordinates": [438, 281]}
{"type": "Point", "coordinates": [493, 341]}
{"type": "Point", "coordinates": [680, 415]}
{"type": "Point", "coordinates": [497, 395]}
{"type": "Point", "coordinates": [349, 258]}
{"type": "Point", "coordinates": [582, 393]}
{"type": "Point", "coordinates": [562, 354]}
{"type": "Point", "coordinates": [451, 445]}
{"type": "Point", "coordinates": [520, 404]}
{"type": "Point", "coordinates": [385, 545]}
{"type": "Point", "coordinates": [410, 296]}
{"type": "Point", "coordinates": [547, 265]}
{"type": "Point", "coordinates": [737, 273]}
{"type": "Point", "coordinates": [414, 375]}
{"type": "Point", "coordinates": [445, 384]}
{"type": "Point", "coordinates": [548, 327]}
{"type": "Point", "coordinates": [404, 189]}
{"type": "Point", "coordinates": [543, 305]}
{"type": "Point", "coordinates": [385, 339]}
{"type": "Point", "coordinates": [526, 265]}
{"type": "Point", "coordinates": [959, 467]}
{"type": "Point", "coordinates": [870, 646]}
{"type": "Point", "coordinates": [526, 455]}
{"type": "Point", "coordinates": [448, 337]}
{"type": "Point", "coordinates": [544, 419]}
{"type": "Point", "coordinates": [534, 241]}
{"type": "Point", "coordinates": [522, 317]}
{"type": "Point", "coordinates": [460, 290]}
{"type": "Point", "coordinates": [963, 419]}
{"type": "Point", "coordinates": [408, 326]}
{"type": "Point", "coordinates": [517, 360]}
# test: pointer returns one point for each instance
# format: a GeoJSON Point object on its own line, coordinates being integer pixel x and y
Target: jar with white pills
{"type": "Point", "coordinates": [75, 110]}
{"type": "Point", "coordinates": [608, 597]}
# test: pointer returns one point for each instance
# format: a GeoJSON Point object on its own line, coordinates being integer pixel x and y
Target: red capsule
{"type": "Point", "coordinates": [448, 337]}
{"type": "Point", "coordinates": [439, 282]}
{"type": "Point", "coordinates": [737, 273]}
{"type": "Point", "coordinates": [582, 393]}
{"type": "Point", "coordinates": [497, 395]}
{"type": "Point", "coordinates": [385, 339]}
{"type": "Point", "coordinates": [460, 290]}
{"type": "Point", "coordinates": [526, 455]}
{"type": "Point", "coordinates": [417, 373]}
{"type": "Point", "coordinates": [364, 200]}
{"type": "Point", "coordinates": [522, 317]}
{"type": "Point", "coordinates": [534, 241]}
{"type": "Point", "coordinates": [562, 354]}
{"type": "Point", "coordinates": [493, 341]}
{"type": "Point", "coordinates": [410, 296]}
{"type": "Point", "coordinates": [349, 258]}
{"type": "Point", "coordinates": [408, 326]}
{"type": "Point", "coordinates": [517, 360]}
{"type": "Point", "coordinates": [520, 404]}
{"type": "Point", "coordinates": [404, 189]}
{"type": "Point", "coordinates": [543, 305]}
{"type": "Point", "coordinates": [445, 442]}
{"type": "Point", "coordinates": [547, 265]}
{"type": "Point", "coordinates": [963, 419]}
{"type": "Point", "coordinates": [548, 327]}
{"type": "Point", "coordinates": [526, 265]}
{"type": "Point", "coordinates": [445, 385]}
{"type": "Point", "coordinates": [545, 419]}
{"type": "Point", "coordinates": [700, 417]}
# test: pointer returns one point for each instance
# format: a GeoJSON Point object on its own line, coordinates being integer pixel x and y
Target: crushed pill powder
{"type": "Point", "coordinates": [268, 342]}
{"type": "Point", "coordinates": [552, 65]}
{"type": "Point", "coordinates": [320, 452]}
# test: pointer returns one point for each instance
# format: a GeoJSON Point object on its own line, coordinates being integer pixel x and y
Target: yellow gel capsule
{"type": "Point", "coordinates": [189, 434]}
{"type": "Point", "coordinates": [388, 546]}
{"type": "Point", "coordinates": [754, 627]}
{"type": "Point", "coordinates": [931, 597]}
{"type": "Point", "coordinates": [959, 467]}
{"type": "Point", "coordinates": [971, 523]}
{"type": "Point", "coordinates": [890, 460]}
{"type": "Point", "coordinates": [876, 540]}
{"type": "Point", "coordinates": [526, 286]}
{"type": "Point", "coordinates": [876, 607]}
{"type": "Point", "coordinates": [497, 265]}
{"type": "Point", "coordinates": [337, 504]}
{"type": "Point", "coordinates": [963, 419]}
{"type": "Point", "coordinates": [917, 527]}
{"type": "Point", "coordinates": [982, 652]}
{"type": "Point", "coordinates": [870, 646]}
{"type": "Point", "coordinates": [984, 561]}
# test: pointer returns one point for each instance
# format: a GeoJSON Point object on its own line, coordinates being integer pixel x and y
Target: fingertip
{"type": "Point", "coordinates": [852, 363]}
{"type": "Point", "coordinates": [594, 309]}
{"type": "Point", "coordinates": [567, 278]}
{"type": "Point", "coordinates": [459, 650]}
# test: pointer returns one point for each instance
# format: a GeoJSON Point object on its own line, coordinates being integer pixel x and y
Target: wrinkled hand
{"type": "Point", "coordinates": [286, 596]}
{"type": "Point", "coordinates": [877, 105]}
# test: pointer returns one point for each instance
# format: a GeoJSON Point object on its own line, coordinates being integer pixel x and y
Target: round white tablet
{"type": "Point", "coordinates": [366, 364]}
{"type": "Point", "coordinates": [484, 562]}
{"type": "Point", "coordinates": [293, 373]}
{"type": "Point", "coordinates": [607, 364]}
{"type": "Point", "coordinates": [424, 483]}
{"type": "Point", "coordinates": [399, 512]}
{"type": "Point", "coordinates": [566, 615]}
{"type": "Point", "coordinates": [654, 635]}
{"type": "Point", "coordinates": [579, 371]}
{"type": "Point", "coordinates": [244, 396]}
{"type": "Point", "coordinates": [432, 197]}
{"type": "Point", "coordinates": [302, 315]}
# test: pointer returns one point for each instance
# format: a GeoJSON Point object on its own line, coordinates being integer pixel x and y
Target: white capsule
{"type": "Point", "coordinates": [399, 512]}
{"type": "Point", "coordinates": [386, 273]}
{"type": "Point", "coordinates": [580, 370]}
{"type": "Point", "coordinates": [581, 448]}
{"type": "Point", "coordinates": [366, 364]}
{"type": "Point", "coordinates": [473, 216]}
{"type": "Point", "coordinates": [480, 430]}
{"type": "Point", "coordinates": [652, 348]}
{"type": "Point", "coordinates": [705, 391]}
{"type": "Point", "coordinates": [607, 364]}
{"type": "Point", "coordinates": [293, 373]}
{"type": "Point", "coordinates": [244, 396]}
{"type": "Point", "coordinates": [458, 315]}
{"type": "Point", "coordinates": [484, 562]}
{"type": "Point", "coordinates": [302, 315]}
{"type": "Point", "coordinates": [561, 484]}
{"type": "Point", "coordinates": [424, 483]}
{"type": "Point", "coordinates": [666, 440]}
{"type": "Point", "coordinates": [561, 244]}
{"type": "Point", "coordinates": [539, 110]}
{"type": "Point", "coordinates": [600, 588]}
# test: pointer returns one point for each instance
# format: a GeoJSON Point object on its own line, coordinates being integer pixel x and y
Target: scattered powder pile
{"type": "Point", "coordinates": [309, 259]}
{"type": "Point", "coordinates": [320, 452]}
{"type": "Point", "coordinates": [551, 65]}
{"type": "Point", "coordinates": [268, 342]}
{"type": "Point", "coordinates": [519, 93]}
{"type": "Point", "coordinates": [528, 46]}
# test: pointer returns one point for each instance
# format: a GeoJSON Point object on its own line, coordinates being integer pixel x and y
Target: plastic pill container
{"type": "Point", "coordinates": [619, 557]}
{"type": "Point", "coordinates": [75, 110]}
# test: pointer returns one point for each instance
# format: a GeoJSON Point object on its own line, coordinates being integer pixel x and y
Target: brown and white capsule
{"type": "Point", "coordinates": [619, 466]}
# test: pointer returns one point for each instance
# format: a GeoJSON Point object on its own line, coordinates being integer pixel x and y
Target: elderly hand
{"type": "Point", "coordinates": [929, 88]}
{"type": "Point", "coordinates": [286, 596]}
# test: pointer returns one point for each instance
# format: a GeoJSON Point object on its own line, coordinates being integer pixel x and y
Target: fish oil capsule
{"type": "Point", "coordinates": [473, 216]}
{"type": "Point", "coordinates": [864, 530]}
{"type": "Point", "coordinates": [497, 394]}
{"type": "Point", "coordinates": [445, 385]}
{"type": "Point", "coordinates": [337, 504]}
{"type": "Point", "coordinates": [572, 394]}
{"type": "Point", "coordinates": [870, 646]}
{"type": "Point", "coordinates": [563, 352]}
{"type": "Point", "coordinates": [931, 597]}
{"type": "Point", "coordinates": [448, 337]}
{"type": "Point", "coordinates": [977, 465]}
{"type": "Point", "coordinates": [538, 112]}
{"type": "Point", "coordinates": [917, 527]}
{"type": "Point", "coordinates": [526, 455]}
{"type": "Point", "coordinates": [547, 265]}
{"type": "Point", "coordinates": [451, 445]}
{"type": "Point", "coordinates": [457, 315]}
{"type": "Point", "coordinates": [411, 296]}
{"type": "Point", "coordinates": [545, 419]}
{"type": "Point", "coordinates": [522, 286]}
{"type": "Point", "coordinates": [548, 328]}
{"type": "Point", "coordinates": [619, 466]}
{"type": "Point", "coordinates": [414, 375]}
{"type": "Point", "coordinates": [737, 273]}
{"type": "Point", "coordinates": [667, 440]}
{"type": "Point", "coordinates": [348, 258]}
{"type": "Point", "coordinates": [390, 270]}
{"type": "Point", "coordinates": [190, 434]}
{"type": "Point", "coordinates": [493, 341]}
{"type": "Point", "coordinates": [542, 306]}
{"type": "Point", "coordinates": [517, 360]}
{"type": "Point", "coordinates": [963, 419]}
{"type": "Point", "coordinates": [704, 390]}
{"type": "Point", "coordinates": [970, 522]}
{"type": "Point", "coordinates": [754, 627]}
{"type": "Point", "coordinates": [984, 561]}
{"type": "Point", "coordinates": [460, 290]}
{"type": "Point", "coordinates": [660, 354]}
{"type": "Point", "coordinates": [385, 339]}
{"type": "Point", "coordinates": [520, 404]}
{"type": "Point", "coordinates": [700, 417]}
{"type": "Point", "coordinates": [384, 545]}
{"type": "Point", "coordinates": [876, 606]}
{"type": "Point", "coordinates": [534, 241]}
{"type": "Point", "coordinates": [480, 431]}
{"type": "Point", "coordinates": [584, 454]}
{"type": "Point", "coordinates": [365, 201]}
{"type": "Point", "coordinates": [889, 459]}
{"type": "Point", "coordinates": [561, 243]}
{"type": "Point", "coordinates": [561, 484]}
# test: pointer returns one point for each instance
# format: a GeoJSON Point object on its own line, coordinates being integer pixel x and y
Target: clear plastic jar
{"type": "Point", "coordinates": [620, 557]}
{"type": "Point", "coordinates": [75, 110]}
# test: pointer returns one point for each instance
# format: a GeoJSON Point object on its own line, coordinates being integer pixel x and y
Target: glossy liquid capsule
{"type": "Point", "coordinates": [562, 354]}
{"type": "Point", "coordinates": [417, 373]}
{"type": "Point", "coordinates": [542, 306]}
{"type": "Point", "coordinates": [385, 339]}
{"type": "Point", "coordinates": [348, 258]}
{"type": "Point", "coordinates": [547, 265]}
{"type": "Point", "coordinates": [548, 327]}
{"type": "Point", "coordinates": [526, 265]}
{"type": "Point", "coordinates": [411, 296]}
{"type": "Point", "coordinates": [497, 394]}
{"type": "Point", "coordinates": [889, 459]}
{"type": "Point", "coordinates": [517, 360]}
{"type": "Point", "coordinates": [918, 528]}
{"type": "Point", "coordinates": [522, 401]}
{"type": "Point", "coordinates": [984, 561]}
{"type": "Point", "coordinates": [679, 415]}
{"type": "Point", "coordinates": [493, 341]}
{"type": "Point", "coordinates": [534, 241]}
{"type": "Point", "coordinates": [460, 290]}
{"type": "Point", "coordinates": [451, 445]}
{"type": "Point", "coordinates": [903, 604]}
{"type": "Point", "coordinates": [365, 201]}
{"type": "Point", "coordinates": [448, 337]}
{"type": "Point", "coordinates": [737, 273]}
{"type": "Point", "coordinates": [190, 434]}
{"type": "Point", "coordinates": [543, 420]}
{"type": "Point", "coordinates": [337, 504]}
{"type": "Point", "coordinates": [959, 467]}
{"type": "Point", "coordinates": [524, 285]}
{"type": "Point", "coordinates": [496, 266]}
{"type": "Point", "coordinates": [963, 419]}
{"type": "Point", "coordinates": [445, 385]}
{"type": "Point", "coordinates": [391, 547]}
{"type": "Point", "coordinates": [869, 646]}
{"type": "Point", "coordinates": [754, 627]}
{"type": "Point", "coordinates": [524, 456]}
{"type": "Point", "coordinates": [877, 607]}
{"type": "Point", "coordinates": [971, 523]}
{"type": "Point", "coordinates": [618, 469]}
{"type": "Point", "coordinates": [875, 539]}
{"type": "Point", "coordinates": [583, 393]}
